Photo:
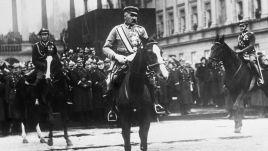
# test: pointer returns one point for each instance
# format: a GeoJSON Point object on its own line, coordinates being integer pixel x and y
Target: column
{"type": "Point", "coordinates": [246, 9]}
{"type": "Point", "coordinates": [85, 5]}
{"type": "Point", "coordinates": [187, 16]}
{"type": "Point", "coordinates": [176, 17]}
{"type": "Point", "coordinates": [214, 13]}
{"type": "Point", "coordinates": [200, 10]}
{"type": "Point", "coordinates": [165, 19]}
{"type": "Point", "coordinates": [44, 14]}
{"type": "Point", "coordinates": [99, 4]}
{"type": "Point", "coordinates": [24, 16]}
{"type": "Point", "coordinates": [72, 9]}
{"type": "Point", "coordinates": [14, 16]}
{"type": "Point", "coordinates": [264, 8]}
{"type": "Point", "coordinates": [230, 10]}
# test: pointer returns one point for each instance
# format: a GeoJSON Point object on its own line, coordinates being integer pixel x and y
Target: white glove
{"type": "Point", "coordinates": [120, 58]}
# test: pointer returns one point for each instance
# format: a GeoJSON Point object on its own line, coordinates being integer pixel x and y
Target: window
{"type": "Point", "coordinates": [194, 18]}
{"type": "Point", "coordinates": [160, 26]}
{"type": "Point", "coordinates": [182, 26]}
{"type": "Point", "coordinates": [180, 55]}
{"type": "Point", "coordinates": [240, 14]}
{"type": "Point", "coordinates": [207, 15]}
{"type": "Point", "coordinates": [206, 53]}
{"type": "Point", "coordinates": [193, 57]}
{"type": "Point", "coordinates": [170, 23]}
{"type": "Point", "coordinates": [257, 8]}
{"type": "Point", "coordinates": [222, 15]}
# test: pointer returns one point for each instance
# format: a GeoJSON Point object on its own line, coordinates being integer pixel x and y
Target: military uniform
{"type": "Point", "coordinates": [246, 43]}
{"type": "Point", "coordinates": [115, 43]}
{"type": "Point", "coordinates": [246, 39]}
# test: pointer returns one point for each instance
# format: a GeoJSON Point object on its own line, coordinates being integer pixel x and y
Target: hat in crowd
{"type": "Point", "coordinates": [71, 63]}
{"type": "Point", "coordinates": [71, 51]}
{"type": "Point", "coordinates": [79, 60]}
{"type": "Point", "coordinates": [16, 65]}
{"type": "Point", "coordinates": [43, 31]}
{"type": "Point", "coordinates": [131, 10]}
{"type": "Point", "coordinates": [100, 62]}
{"type": "Point", "coordinates": [107, 60]}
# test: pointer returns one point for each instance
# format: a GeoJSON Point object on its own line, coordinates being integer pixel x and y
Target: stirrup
{"type": "Point", "coordinates": [159, 109]}
{"type": "Point", "coordinates": [111, 116]}
{"type": "Point", "coordinates": [260, 82]}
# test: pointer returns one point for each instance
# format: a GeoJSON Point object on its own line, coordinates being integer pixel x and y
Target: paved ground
{"type": "Point", "coordinates": [187, 134]}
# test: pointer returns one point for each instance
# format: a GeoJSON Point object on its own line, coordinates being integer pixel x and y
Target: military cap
{"type": "Point", "coordinates": [43, 31]}
{"type": "Point", "coordinates": [107, 60]}
{"type": "Point", "coordinates": [244, 22]}
{"type": "Point", "coordinates": [16, 65]}
{"type": "Point", "coordinates": [131, 9]}
{"type": "Point", "coordinates": [100, 62]}
{"type": "Point", "coordinates": [79, 60]}
{"type": "Point", "coordinates": [71, 63]}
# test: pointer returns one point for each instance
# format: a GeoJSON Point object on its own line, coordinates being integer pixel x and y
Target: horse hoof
{"type": "Point", "coordinates": [42, 140]}
{"type": "Point", "coordinates": [237, 130]}
{"type": "Point", "coordinates": [69, 142]}
{"type": "Point", "coordinates": [25, 141]}
{"type": "Point", "coordinates": [143, 149]}
{"type": "Point", "coordinates": [50, 142]}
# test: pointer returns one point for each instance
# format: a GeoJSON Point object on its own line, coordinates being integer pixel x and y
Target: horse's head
{"type": "Point", "coordinates": [155, 61]}
{"type": "Point", "coordinates": [217, 51]}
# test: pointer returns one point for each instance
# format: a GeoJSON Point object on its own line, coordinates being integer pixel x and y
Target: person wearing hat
{"type": "Point", "coordinates": [40, 51]}
{"type": "Point", "coordinates": [246, 50]}
{"type": "Point", "coordinates": [115, 45]}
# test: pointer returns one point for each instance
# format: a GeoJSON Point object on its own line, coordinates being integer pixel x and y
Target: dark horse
{"type": "Point", "coordinates": [239, 78]}
{"type": "Point", "coordinates": [54, 92]}
{"type": "Point", "coordinates": [134, 92]}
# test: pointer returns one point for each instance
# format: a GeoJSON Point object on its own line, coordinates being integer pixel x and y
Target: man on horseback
{"type": "Point", "coordinates": [40, 51]}
{"type": "Point", "coordinates": [123, 41]}
{"type": "Point", "coordinates": [246, 42]}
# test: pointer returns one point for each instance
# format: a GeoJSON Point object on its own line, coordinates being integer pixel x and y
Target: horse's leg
{"type": "Point", "coordinates": [23, 134]}
{"type": "Point", "coordinates": [143, 131]}
{"type": "Point", "coordinates": [40, 134]}
{"type": "Point", "coordinates": [239, 111]}
{"type": "Point", "coordinates": [51, 124]}
{"type": "Point", "coordinates": [65, 128]}
{"type": "Point", "coordinates": [126, 125]}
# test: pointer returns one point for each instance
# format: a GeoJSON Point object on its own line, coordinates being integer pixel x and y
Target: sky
{"type": "Point", "coordinates": [29, 15]}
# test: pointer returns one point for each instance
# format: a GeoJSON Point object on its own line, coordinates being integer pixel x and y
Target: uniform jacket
{"type": "Point", "coordinates": [40, 52]}
{"type": "Point", "coordinates": [246, 42]}
{"type": "Point", "coordinates": [114, 44]}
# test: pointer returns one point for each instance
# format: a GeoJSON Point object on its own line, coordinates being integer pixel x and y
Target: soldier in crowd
{"type": "Point", "coordinates": [246, 44]}
{"type": "Point", "coordinates": [203, 77]}
{"type": "Point", "coordinates": [81, 91]}
{"type": "Point", "coordinates": [185, 87]}
{"type": "Point", "coordinates": [98, 87]}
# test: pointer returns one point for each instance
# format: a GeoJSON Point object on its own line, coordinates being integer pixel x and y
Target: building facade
{"type": "Point", "coordinates": [187, 28]}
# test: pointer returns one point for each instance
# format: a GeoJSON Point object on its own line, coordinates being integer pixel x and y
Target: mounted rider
{"type": "Point", "coordinates": [121, 43]}
{"type": "Point", "coordinates": [246, 43]}
{"type": "Point", "coordinates": [40, 51]}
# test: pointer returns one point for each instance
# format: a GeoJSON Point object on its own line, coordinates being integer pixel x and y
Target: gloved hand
{"type": "Point", "coordinates": [120, 58]}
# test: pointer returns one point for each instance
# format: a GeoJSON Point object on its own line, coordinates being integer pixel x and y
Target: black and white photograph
{"type": "Point", "coordinates": [133, 75]}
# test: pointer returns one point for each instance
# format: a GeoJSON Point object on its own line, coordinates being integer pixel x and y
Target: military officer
{"type": "Point", "coordinates": [114, 47]}
{"type": "Point", "coordinates": [39, 54]}
{"type": "Point", "coordinates": [246, 42]}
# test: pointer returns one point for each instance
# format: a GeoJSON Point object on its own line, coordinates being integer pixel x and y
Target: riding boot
{"type": "Point", "coordinates": [258, 72]}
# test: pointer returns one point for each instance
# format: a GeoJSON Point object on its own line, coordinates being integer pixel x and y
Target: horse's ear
{"type": "Point", "coordinates": [222, 39]}
{"type": "Point", "coordinates": [217, 38]}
